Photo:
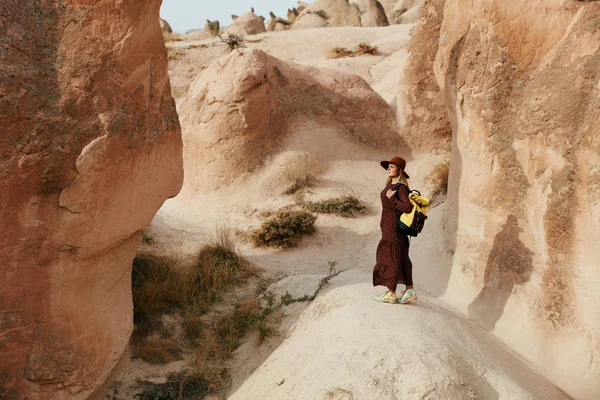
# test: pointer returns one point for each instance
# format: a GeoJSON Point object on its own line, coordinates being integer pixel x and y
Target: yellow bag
{"type": "Point", "coordinates": [412, 223]}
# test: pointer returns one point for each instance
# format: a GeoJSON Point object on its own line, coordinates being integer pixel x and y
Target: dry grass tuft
{"type": "Point", "coordinates": [172, 37]}
{"type": "Point", "coordinates": [300, 175]}
{"type": "Point", "coordinates": [345, 206]}
{"type": "Point", "coordinates": [285, 228]}
{"type": "Point", "coordinates": [159, 351]}
{"type": "Point", "coordinates": [156, 289]}
{"type": "Point", "coordinates": [173, 53]}
{"type": "Point", "coordinates": [438, 179]}
{"type": "Point", "coordinates": [178, 387]}
{"type": "Point", "coordinates": [361, 50]}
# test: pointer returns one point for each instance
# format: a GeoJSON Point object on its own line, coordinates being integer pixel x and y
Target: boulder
{"type": "Point", "coordinates": [422, 113]}
{"type": "Point", "coordinates": [401, 7]}
{"type": "Point", "coordinates": [250, 23]}
{"type": "Point", "coordinates": [91, 148]}
{"type": "Point", "coordinates": [242, 107]}
{"type": "Point", "coordinates": [520, 82]}
{"type": "Point", "coordinates": [309, 21]}
{"type": "Point", "coordinates": [335, 12]}
{"type": "Point", "coordinates": [375, 15]}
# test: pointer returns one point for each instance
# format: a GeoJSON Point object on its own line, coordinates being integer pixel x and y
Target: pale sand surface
{"type": "Point", "coordinates": [343, 345]}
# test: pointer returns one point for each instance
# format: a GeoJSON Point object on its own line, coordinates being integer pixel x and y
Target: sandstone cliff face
{"type": "Point", "coordinates": [239, 110]}
{"type": "Point", "coordinates": [422, 114]}
{"type": "Point", "coordinates": [90, 149]}
{"type": "Point", "coordinates": [522, 83]}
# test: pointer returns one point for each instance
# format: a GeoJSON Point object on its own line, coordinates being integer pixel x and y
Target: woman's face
{"type": "Point", "coordinates": [393, 171]}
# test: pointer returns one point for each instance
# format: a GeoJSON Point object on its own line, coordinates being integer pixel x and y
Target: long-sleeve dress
{"type": "Point", "coordinates": [393, 264]}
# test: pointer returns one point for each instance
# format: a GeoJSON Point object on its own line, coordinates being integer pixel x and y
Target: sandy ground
{"type": "Point", "coordinates": [343, 345]}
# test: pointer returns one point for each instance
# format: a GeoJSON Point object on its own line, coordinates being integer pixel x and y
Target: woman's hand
{"type": "Point", "coordinates": [390, 193]}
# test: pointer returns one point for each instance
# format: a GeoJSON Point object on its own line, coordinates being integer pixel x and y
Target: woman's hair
{"type": "Point", "coordinates": [402, 178]}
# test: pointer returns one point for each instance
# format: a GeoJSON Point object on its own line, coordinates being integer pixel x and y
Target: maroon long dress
{"type": "Point", "coordinates": [393, 264]}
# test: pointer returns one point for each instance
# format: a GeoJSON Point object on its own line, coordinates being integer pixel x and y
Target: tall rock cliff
{"type": "Point", "coordinates": [521, 81]}
{"type": "Point", "coordinates": [90, 148]}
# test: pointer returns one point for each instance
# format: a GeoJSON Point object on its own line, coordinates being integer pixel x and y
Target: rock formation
{"type": "Point", "coordinates": [292, 14]}
{"type": "Point", "coordinates": [336, 12]}
{"type": "Point", "coordinates": [165, 27]}
{"type": "Point", "coordinates": [241, 108]}
{"type": "Point", "coordinates": [405, 11]}
{"type": "Point", "coordinates": [422, 114]}
{"type": "Point", "coordinates": [91, 147]}
{"type": "Point", "coordinates": [309, 20]}
{"type": "Point", "coordinates": [212, 28]}
{"type": "Point", "coordinates": [520, 82]}
{"type": "Point", "coordinates": [250, 23]}
{"type": "Point", "coordinates": [340, 351]}
{"type": "Point", "coordinates": [375, 15]}
{"type": "Point", "coordinates": [277, 24]}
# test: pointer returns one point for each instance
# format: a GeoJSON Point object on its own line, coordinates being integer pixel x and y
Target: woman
{"type": "Point", "coordinates": [393, 264]}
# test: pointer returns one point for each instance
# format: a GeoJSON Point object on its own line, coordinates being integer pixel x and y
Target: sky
{"type": "Point", "coordinates": [184, 15]}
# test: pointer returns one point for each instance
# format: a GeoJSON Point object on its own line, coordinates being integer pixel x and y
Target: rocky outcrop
{"type": "Point", "coordinates": [165, 27]}
{"type": "Point", "coordinates": [212, 28]}
{"type": "Point", "coordinates": [339, 346]}
{"type": "Point", "coordinates": [242, 107]}
{"type": "Point", "coordinates": [520, 81]}
{"type": "Point", "coordinates": [251, 23]}
{"type": "Point", "coordinates": [90, 149]}
{"type": "Point", "coordinates": [292, 14]}
{"type": "Point", "coordinates": [374, 15]}
{"type": "Point", "coordinates": [422, 114]}
{"type": "Point", "coordinates": [335, 12]}
{"type": "Point", "coordinates": [277, 24]}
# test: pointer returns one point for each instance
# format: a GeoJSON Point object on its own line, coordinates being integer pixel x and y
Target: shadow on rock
{"type": "Point", "coordinates": [510, 263]}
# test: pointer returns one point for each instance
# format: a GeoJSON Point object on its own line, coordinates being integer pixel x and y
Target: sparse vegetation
{"type": "Point", "coordinates": [178, 387]}
{"type": "Point", "coordinates": [171, 37]}
{"type": "Point", "coordinates": [345, 206]}
{"type": "Point", "coordinates": [172, 53]}
{"type": "Point", "coordinates": [438, 179]}
{"type": "Point", "coordinates": [233, 41]}
{"type": "Point", "coordinates": [284, 229]}
{"type": "Point", "coordinates": [148, 238]}
{"type": "Point", "coordinates": [287, 298]}
{"type": "Point", "coordinates": [361, 50]}
{"type": "Point", "coordinates": [162, 285]}
{"type": "Point", "coordinates": [159, 351]}
{"type": "Point", "coordinates": [301, 174]}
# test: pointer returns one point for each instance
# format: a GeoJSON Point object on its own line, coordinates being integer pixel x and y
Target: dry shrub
{"type": "Point", "coordinates": [345, 206]}
{"type": "Point", "coordinates": [178, 387]}
{"type": "Point", "coordinates": [172, 53]}
{"type": "Point", "coordinates": [156, 290]}
{"type": "Point", "coordinates": [233, 41]}
{"type": "Point", "coordinates": [300, 174]}
{"type": "Point", "coordinates": [438, 179]}
{"type": "Point", "coordinates": [361, 50]}
{"type": "Point", "coordinates": [284, 229]}
{"type": "Point", "coordinates": [159, 351]}
{"type": "Point", "coordinates": [171, 37]}
{"type": "Point", "coordinates": [218, 265]}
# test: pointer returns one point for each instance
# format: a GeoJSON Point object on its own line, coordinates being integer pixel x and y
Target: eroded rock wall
{"type": "Point", "coordinates": [522, 84]}
{"type": "Point", "coordinates": [90, 148]}
{"type": "Point", "coordinates": [422, 114]}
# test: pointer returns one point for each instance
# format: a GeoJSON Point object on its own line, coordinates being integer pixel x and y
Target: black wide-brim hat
{"type": "Point", "coordinates": [399, 161]}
